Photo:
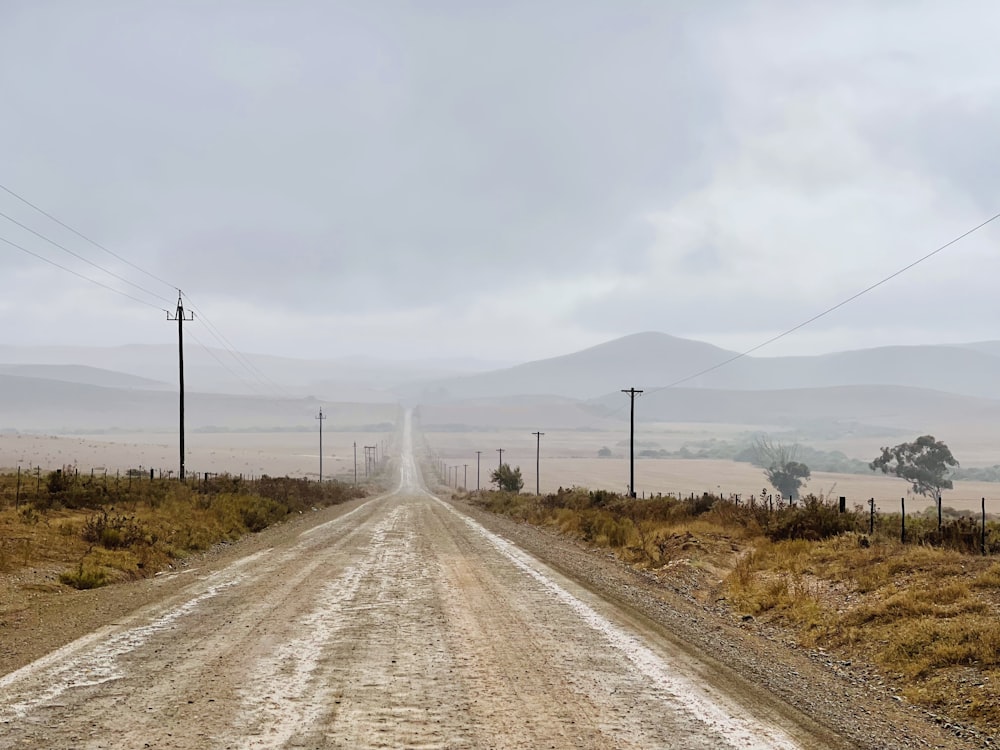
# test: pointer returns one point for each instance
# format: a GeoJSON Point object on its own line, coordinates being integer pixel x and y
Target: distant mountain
{"type": "Point", "coordinates": [953, 369]}
{"type": "Point", "coordinates": [654, 360]}
{"type": "Point", "coordinates": [42, 405]}
{"type": "Point", "coordinates": [217, 370]}
{"type": "Point", "coordinates": [894, 407]}
{"type": "Point", "coordinates": [84, 375]}
{"type": "Point", "coordinates": [986, 347]}
{"type": "Point", "coordinates": [651, 358]}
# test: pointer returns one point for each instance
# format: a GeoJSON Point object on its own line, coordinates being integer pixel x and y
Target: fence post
{"type": "Point", "coordinates": [982, 537]}
{"type": "Point", "coordinates": [843, 504]}
{"type": "Point", "coordinates": [902, 520]}
{"type": "Point", "coordinates": [871, 521]}
{"type": "Point", "coordinates": [17, 497]}
{"type": "Point", "coordinates": [939, 515]}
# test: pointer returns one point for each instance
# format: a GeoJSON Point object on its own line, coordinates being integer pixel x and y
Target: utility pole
{"type": "Point", "coordinates": [355, 462]}
{"type": "Point", "coordinates": [180, 318]}
{"type": "Point", "coordinates": [321, 418]}
{"type": "Point", "coordinates": [465, 476]}
{"type": "Point", "coordinates": [478, 453]}
{"type": "Point", "coordinates": [500, 451]}
{"type": "Point", "coordinates": [538, 451]}
{"type": "Point", "coordinates": [632, 392]}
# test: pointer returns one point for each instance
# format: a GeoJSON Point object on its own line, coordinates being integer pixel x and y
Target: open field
{"type": "Point", "coordinates": [294, 454]}
{"type": "Point", "coordinates": [569, 458]}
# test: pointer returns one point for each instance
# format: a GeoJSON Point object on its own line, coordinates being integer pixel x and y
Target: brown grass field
{"type": "Point", "coordinates": [294, 454]}
{"type": "Point", "coordinates": [569, 459]}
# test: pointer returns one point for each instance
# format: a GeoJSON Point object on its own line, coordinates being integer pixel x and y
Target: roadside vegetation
{"type": "Point", "coordinates": [86, 531]}
{"type": "Point", "coordinates": [925, 613]}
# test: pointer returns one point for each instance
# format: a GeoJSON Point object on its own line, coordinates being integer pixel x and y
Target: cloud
{"type": "Point", "coordinates": [409, 175]}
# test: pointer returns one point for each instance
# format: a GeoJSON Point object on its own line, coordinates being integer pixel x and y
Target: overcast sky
{"type": "Point", "coordinates": [504, 181]}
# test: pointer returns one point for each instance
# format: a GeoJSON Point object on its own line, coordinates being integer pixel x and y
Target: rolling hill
{"type": "Point", "coordinates": [653, 360]}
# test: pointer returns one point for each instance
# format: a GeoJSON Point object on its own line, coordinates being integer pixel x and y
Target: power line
{"type": "Point", "coordinates": [822, 314]}
{"type": "Point", "coordinates": [81, 276]}
{"type": "Point", "coordinates": [231, 349]}
{"type": "Point", "coordinates": [222, 364]}
{"type": "Point", "coordinates": [89, 262]}
{"type": "Point", "coordinates": [84, 237]}
{"type": "Point", "coordinates": [829, 310]}
{"type": "Point", "coordinates": [227, 346]}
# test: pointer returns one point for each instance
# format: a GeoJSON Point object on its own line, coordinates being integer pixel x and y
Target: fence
{"type": "Point", "coordinates": [967, 531]}
{"type": "Point", "coordinates": [42, 488]}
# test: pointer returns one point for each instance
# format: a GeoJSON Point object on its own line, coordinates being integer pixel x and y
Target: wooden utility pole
{"type": "Point", "coordinates": [632, 392]}
{"type": "Point", "coordinates": [321, 418]}
{"type": "Point", "coordinates": [180, 318]}
{"type": "Point", "coordinates": [538, 451]}
{"type": "Point", "coordinates": [478, 453]}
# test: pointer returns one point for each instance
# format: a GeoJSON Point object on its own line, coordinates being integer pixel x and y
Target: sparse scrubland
{"type": "Point", "coordinates": [86, 532]}
{"type": "Point", "coordinates": [925, 614]}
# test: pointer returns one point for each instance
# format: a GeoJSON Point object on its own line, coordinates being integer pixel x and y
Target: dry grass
{"type": "Point", "coordinates": [927, 617]}
{"type": "Point", "coordinates": [87, 533]}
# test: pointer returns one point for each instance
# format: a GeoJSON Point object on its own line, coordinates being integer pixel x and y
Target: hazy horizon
{"type": "Point", "coordinates": [503, 183]}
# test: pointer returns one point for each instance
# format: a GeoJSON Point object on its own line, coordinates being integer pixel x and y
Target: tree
{"type": "Point", "coordinates": [924, 463]}
{"type": "Point", "coordinates": [604, 452]}
{"type": "Point", "coordinates": [783, 471]}
{"type": "Point", "coordinates": [507, 479]}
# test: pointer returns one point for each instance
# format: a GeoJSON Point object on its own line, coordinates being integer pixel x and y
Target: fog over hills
{"type": "Point", "coordinates": [214, 370]}
{"type": "Point", "coordinates": [85, 375]}
{"type": "Point", "coordinates": [39, 405]}
{"type": "Point", "coordinates": [653, 360]}
{"type": "Point", "coordinates": [893, 407]}
{"type": "Point", "coordinates": [134, 387]}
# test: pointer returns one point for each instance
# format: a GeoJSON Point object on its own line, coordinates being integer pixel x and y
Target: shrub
{"type": "Point", "coordinates": [811, 519]}
{"type": "Point", "coordinates": [112, 532]}
{"type": "Point", "coordinates": [84, 578]}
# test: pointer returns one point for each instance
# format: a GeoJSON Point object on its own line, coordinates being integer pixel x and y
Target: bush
{"type": "Point", "coordinates": [112, 532]}
{"type": "Point", "coordinates": [811, 519]}
{"type": "Point", "coordinates": [84, 578]}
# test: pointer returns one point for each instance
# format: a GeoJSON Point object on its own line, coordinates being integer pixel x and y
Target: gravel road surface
{"type": "Point", "coordinates": [401, 622]}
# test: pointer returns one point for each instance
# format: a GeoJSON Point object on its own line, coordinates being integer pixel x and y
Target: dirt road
{"type": "Point", "coordinates": [400, 623]}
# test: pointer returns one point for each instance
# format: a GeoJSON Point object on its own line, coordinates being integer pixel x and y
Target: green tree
{"type": "Point", "coordinates": [924, 463]}
{"type": "Point", "coordinates": [507, 479]}
{"type": "Point", "coordinates": [781, 467]}
{"type": "Point", "coordinates": [788, 478]}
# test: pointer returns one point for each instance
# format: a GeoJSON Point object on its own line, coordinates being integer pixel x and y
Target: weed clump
{"type": "Point", "coordinates": [113, 531]}
{"type": "Point", "coordinates": [84, 577]}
